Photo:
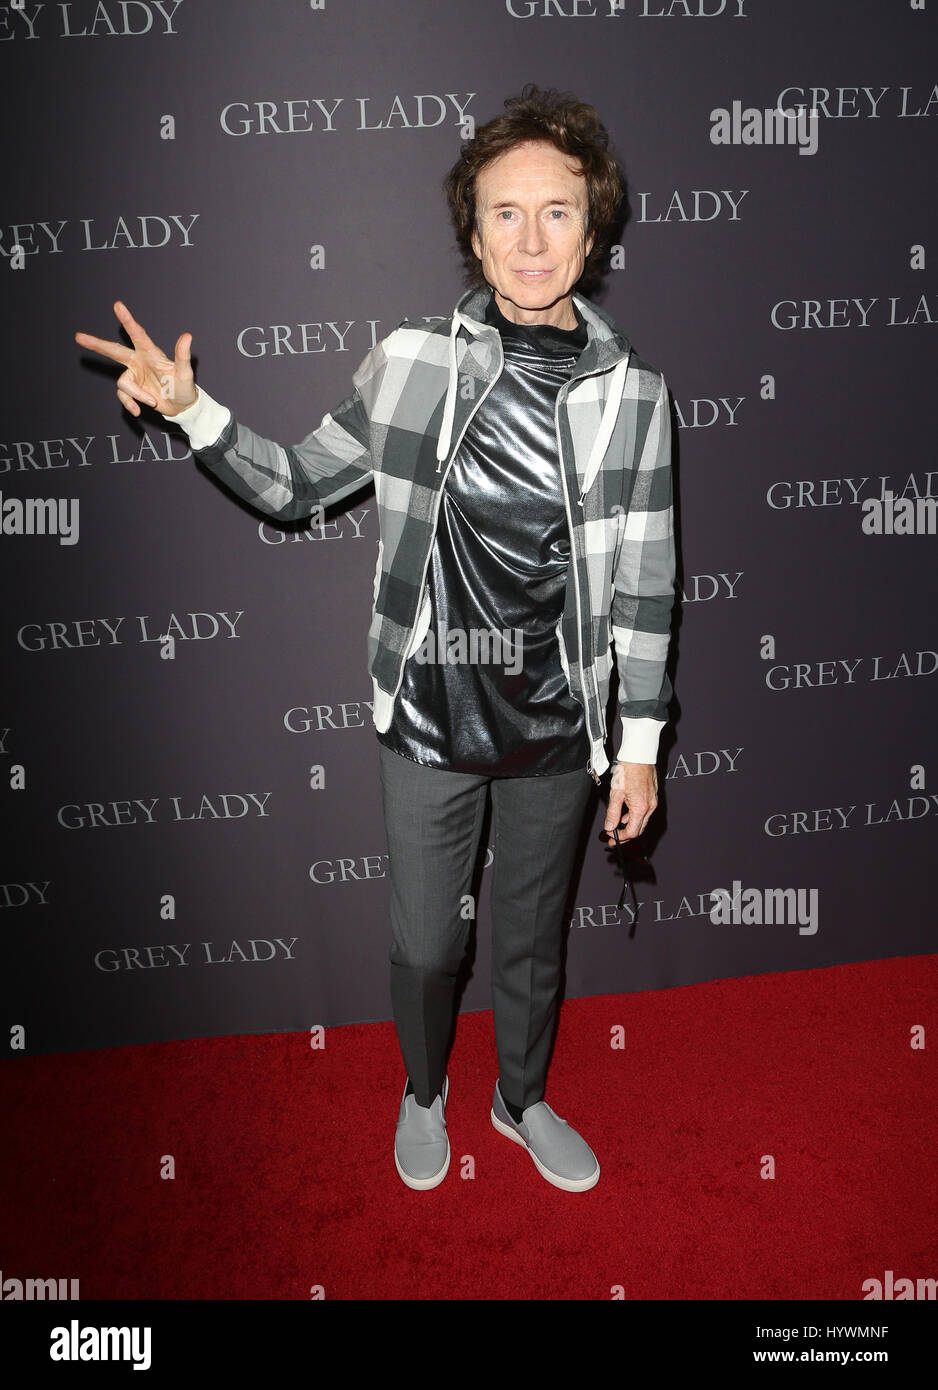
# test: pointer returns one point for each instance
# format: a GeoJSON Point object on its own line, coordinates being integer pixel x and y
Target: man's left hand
{"type": "Point", "coordinates": [633, 797]}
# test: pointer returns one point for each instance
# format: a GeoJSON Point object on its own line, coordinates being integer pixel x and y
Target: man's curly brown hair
{"type": "Point", "coordinates": [574, 128]}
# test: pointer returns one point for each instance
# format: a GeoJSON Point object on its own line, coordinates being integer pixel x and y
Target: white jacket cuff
{"type": "Point", "coordinates": [640, 740]}
{"type": "Point", "coordinates": [204, 420]}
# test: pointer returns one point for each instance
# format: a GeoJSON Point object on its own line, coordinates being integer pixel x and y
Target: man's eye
{"type": "Point", "coordinates": [557, 212]}
{"type": "Point", "coordinates": [504, 213]}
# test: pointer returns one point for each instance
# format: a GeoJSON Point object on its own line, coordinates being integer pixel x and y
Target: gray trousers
{"type": "Point", "coordinates": [434, 822]}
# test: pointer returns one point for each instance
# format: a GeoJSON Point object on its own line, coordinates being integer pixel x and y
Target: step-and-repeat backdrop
{"type": "Point", "coordinates": [193, 839]}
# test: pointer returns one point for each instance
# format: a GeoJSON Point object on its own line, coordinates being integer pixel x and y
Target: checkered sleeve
{"type": "Point", "coordinates": [288, 481]}
{"type": "Point", "coordinates": [644, 594]}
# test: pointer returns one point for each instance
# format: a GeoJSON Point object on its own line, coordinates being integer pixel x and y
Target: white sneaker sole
{"type": "Point", "coordinates": [566, 1184]}
{"type": "Point", "coordinates": [423, 1184]}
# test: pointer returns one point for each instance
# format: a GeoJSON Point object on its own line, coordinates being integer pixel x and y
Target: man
{"type": "Point", "coordinates": [520, 453]}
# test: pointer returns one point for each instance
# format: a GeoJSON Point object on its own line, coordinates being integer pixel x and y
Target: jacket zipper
{"type": "Point", "coordinates": [564, 390]}
{"type": "Point", "coordinates": [576, 579]}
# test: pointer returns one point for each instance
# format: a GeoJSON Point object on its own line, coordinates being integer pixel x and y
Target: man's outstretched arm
{"type": "Point", "coordinates": [283, 481]}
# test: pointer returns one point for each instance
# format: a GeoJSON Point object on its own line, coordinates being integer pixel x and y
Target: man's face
{"type": "Point", "coordinates": [531, 232]}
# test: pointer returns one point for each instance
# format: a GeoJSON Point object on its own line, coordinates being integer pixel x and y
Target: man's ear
{"type": "Point", "coordinates": [476, 243]}
{"type": "Point", "coordinates": [589, 242]}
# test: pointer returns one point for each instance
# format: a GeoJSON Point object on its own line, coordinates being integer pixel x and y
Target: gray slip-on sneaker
{"type": "Point", "coordinates": [560, 1154]}
{"type": "Point", "coordinates": [421, 1144]}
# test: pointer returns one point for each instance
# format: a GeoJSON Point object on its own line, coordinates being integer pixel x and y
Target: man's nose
{"type": "Point", "coordinates": [533, 239]}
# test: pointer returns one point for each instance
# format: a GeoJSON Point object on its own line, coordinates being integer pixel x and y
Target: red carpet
{"type": "Point", "coordinates": [284, 1177]}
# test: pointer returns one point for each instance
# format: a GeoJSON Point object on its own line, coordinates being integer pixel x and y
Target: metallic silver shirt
{"type": "Point", "coordinates": [486, 693]}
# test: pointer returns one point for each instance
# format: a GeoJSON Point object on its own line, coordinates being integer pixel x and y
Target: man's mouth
{"type": "Point", "coordinates": [533, 274]}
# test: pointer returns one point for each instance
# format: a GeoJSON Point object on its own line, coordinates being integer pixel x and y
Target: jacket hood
{"type": "Point", "coordinates": [605, 345]}
{"type": "Point", "coordinates": [606, 349]}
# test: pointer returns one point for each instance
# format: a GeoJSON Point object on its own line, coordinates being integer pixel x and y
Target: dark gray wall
{"type": "Point", "coordinates": [770, 490]}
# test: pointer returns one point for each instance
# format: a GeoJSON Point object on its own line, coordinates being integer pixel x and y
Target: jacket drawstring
{"type": "Point", "coordinates": [606, 424]}
{"type": "Point", "coordinates": [449, 407]}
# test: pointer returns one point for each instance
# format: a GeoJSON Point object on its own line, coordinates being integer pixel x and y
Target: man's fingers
{"type": "Point", "coordinates": [129, 387]}
{"type": "Point", "coordinates": [634, 826]}
{"type": "Point", "coordinates": [618, 811]}
{"type": "Point", "coordinates": [613, 812]}
{"type": "Point", "coordinates": [116, 351]}
{"type": "Point", "coordinates": [182, 357]}
{"type": "Point", "coordinates": [643, 815]}
{"type": "Point", "coordinates": [183, 352]}
{"type": "Point", "coordinates": [636, 816]}
{"type": "Point", "coordinates": [135, 331]}
{"type": "Point", "coordinates": [128, 402]}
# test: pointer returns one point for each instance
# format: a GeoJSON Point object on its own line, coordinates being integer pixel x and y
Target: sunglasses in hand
{"type": "Point", "coordinates": [628, 853]}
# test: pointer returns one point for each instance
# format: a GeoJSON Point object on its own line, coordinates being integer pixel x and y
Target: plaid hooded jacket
{"type": "Point", "coordinates": [414, 395]}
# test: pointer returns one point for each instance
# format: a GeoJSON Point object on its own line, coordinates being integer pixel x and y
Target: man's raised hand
{"type": "Point", "coordinates": [149, 376]}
